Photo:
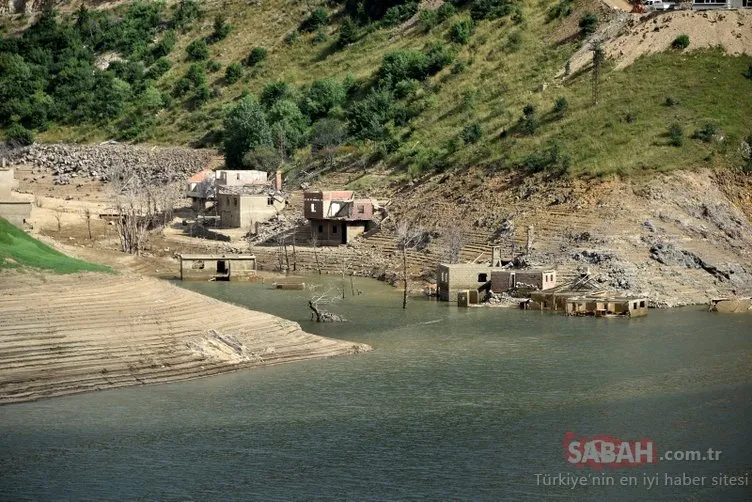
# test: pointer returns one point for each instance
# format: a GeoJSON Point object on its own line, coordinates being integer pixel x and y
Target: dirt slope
{"type": "Point", "coordinates": [69, 334]}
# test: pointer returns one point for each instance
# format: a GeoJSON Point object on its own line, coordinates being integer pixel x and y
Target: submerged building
{"type": "Point", "coordinates": [337, 217]}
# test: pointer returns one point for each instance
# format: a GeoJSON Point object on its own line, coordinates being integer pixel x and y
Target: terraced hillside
{"type": "Point", "coordinates": [73, 334]}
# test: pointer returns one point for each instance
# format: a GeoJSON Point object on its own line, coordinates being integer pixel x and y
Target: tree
{"type": "Point", "coordinates": [318, 19]}
{"type": "Point", "coordinates": [407, 236]}
{"type": "Point", "coordinates": [245, 128]}
{"type": "Point", "coordinates": [588, 24]}
{"type": "Point", "coordinates": [320, 315]}
{"type": "Point", "coordinates": [221, 28]}
{"type": "Point", "coordinates": [233, 73]}
{"type": "Point", "coordinates": [288, 125]}
{"type": "Point", "coordinates": [529, 122]}
{"type": "Point", "coordinates": [322, 96]}
{"type": "Point", "coordinates": [462, 30]}
{"type": "Point", "coordinates": [262, 159]}
{"type": "Point", "coordinates": [326, 136]}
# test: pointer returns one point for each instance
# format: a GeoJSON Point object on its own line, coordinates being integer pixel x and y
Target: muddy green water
{"type": "Point", "coordinates": [452, 405]}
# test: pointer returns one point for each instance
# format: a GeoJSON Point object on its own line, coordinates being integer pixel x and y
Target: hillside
{"type": "Point", "coordinates": [416, 90]}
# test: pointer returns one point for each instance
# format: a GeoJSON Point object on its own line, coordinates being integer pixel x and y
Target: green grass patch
{"type": "Point", "coordinates": [18, 249]}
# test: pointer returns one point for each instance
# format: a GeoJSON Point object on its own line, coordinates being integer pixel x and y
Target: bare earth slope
{"type": "Point", "coordinates": [68, 334]}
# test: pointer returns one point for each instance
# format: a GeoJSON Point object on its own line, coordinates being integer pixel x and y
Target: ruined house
{"type": "Point", "coordinates": [243, 207]}
{"type": "Point", "coordinates": [337, 217]}
{"type": "Point", "coordinates": [216, 267]}
{"type": "Point", "coordinates": [200, 189]}
{"type": "Point", "coordinates": [507, 280]}
{"type": "Point", "coordinates": [227, 178]}
{"type": "Point", "coordinates": [456, 277]}
{"type": "Point", "coordinates": [597, 304]}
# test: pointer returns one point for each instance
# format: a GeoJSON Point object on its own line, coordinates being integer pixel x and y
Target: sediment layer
{"type": "Point", "coordinates": [70, 334]}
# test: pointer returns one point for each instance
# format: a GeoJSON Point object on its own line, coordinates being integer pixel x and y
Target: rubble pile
{"type": "Point", "coordinates": [278, 226]}
{"type": "Point", "coordinates": [96, 161]}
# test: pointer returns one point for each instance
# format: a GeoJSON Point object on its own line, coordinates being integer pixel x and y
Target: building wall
{"type": "Point", "coordinates": [242, 211]}
{"type": "Point", "coordinates": [15, 212]}
{"type": "Point", "coordinates": [206, 269]}
{"type": "Point", "coordinates": [239, 178]}
{"type": "Point", "coordinates": [451, 279]}
{"type": "Point", "coordinates": [8, 183]}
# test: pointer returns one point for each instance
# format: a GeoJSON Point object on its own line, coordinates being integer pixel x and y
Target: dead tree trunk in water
{"type": "Point", "coordinates": [314, 241]}
{"type": "Point", "coordinates": [408, 236]}
{"type": "Point", "coordinates": [320, 315]}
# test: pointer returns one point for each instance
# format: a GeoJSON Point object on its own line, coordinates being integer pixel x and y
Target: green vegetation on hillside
{"type": "Point", "coordinates": [472, 83]}
{"type": "Point", "coordinates": [18, 249]}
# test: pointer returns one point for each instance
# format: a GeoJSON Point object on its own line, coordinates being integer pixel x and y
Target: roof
{"type": "Point", "coordinates": [216, 257]}
{"type": "Point", "coordinates": [201, 176]}
{"type": "Point", "coordinates": [470, 266]}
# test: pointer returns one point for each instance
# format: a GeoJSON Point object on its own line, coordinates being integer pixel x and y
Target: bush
{"type": "Point", "coordinates": [562, 9]}
{"type": "Point", "coordinates": [262, 159]}
{"type": "Point", "coordinates": [514, 41]}
{"type": "Point", "coordinates": [399, 13]}
{"type": "Point", "coordinates": [292, 37]}
{"type": "Point", "coordinates": [444, 12]}
{"type": "Point", "coordinates": [245, 129]}
{"type": "Point", "coordinates": [159, 68]}
{"type": "Point", "coordinates": [221, 28]}
{"type": "Point", "coordinates": [233, 73]}
{"type": "Point", "coordinates": [462, 30]}
{"type": "Point", "coordinates": [18, 135]}
{"type": "Point", "coordinates": [429, 18]}
{"type": "Point", "coordinates": [439, 55]}
{"type": "Point", "coordinates": [275, 91]}
{"type": "Point", "coordinates": [748, 73]}
{"type": "Point", "coordinates": [320, 38]}
{"type": "Point", "coordinates": [213, 66]}
{"type": "Point", "coordinates": [529, 122]}
{"type": "Point", "coordinates": [670, 101]}
{"type": "Point", "coordinates": [402, 65]}
{"type": "Point", "coordinates": [202, 94]}
{"type": "Point", "coordinates": [471, 133]}
{"type": "Point", "coordinates": [164, 46]}
{"type": "Point", "coordinates": [322, 96]}
{"type": "Point", "coordinates": [348, 33]}
{"type": "Point", "coordinates": [588, 24]}
{"type": "Point", "coordinates": [197, 50]}
{"type": "Point", "coordinates": [561, 106]}
{"type": "Point", "coordinates": [327, 134]}
{"type": "Point", "coordinates": [458, 67]}
{"type": "Point", "coordinates": [318, 19]}
{"type": "Point", "coordinates": [405, 88]}
{"type": "Point", "coordinates": [367, 119]}
{"type": "Point", "coordinates": [196, 74]}
{"type": "Point", "coordinates": [553, 159]}
{"type": "Point", "coordinates": [680, 42]}
{"type": "Point", "coordinates": [490, 9]}
{"type": "Point", "coordinates": [181, 87]}
{"type": "Point", "coordinates": [257, 55]}
{"type": "Point", "coordinates": [707, 133]}
{"type": "Point", "coordinates": [675, 135]}
{"type": "Point", "coordinates": [185, 12]}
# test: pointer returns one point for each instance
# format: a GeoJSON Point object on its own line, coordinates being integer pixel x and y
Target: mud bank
{"type": "Point", "coordinates": [64, 335]}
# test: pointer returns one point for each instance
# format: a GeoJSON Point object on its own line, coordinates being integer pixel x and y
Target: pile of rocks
{"type": "Point", "coordinates": [96, 161]}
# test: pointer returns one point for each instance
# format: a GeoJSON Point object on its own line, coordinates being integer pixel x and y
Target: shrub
{"type": "Point", "coordinates": [245, 129]}
{"type": "Point", "coordinates": [405, 88]}
{"type": "Point", "coordinates": [275, 91]}
{"type": "Point", "coordinates": [18, 135]}
{"type": "Point", "coordinates": [517, 16]}
{"type": "Point", "coordinates": [159, 68]}
{"type": "Point", "coordinates": [213, 66]}
{"type": "Point", "coordinates": [221, 28]}
{"type": "Point", "coordinates": [680, 42]}
{"type": "Point", "coordinates": [439, 55]}
{"type": "Point", "coordinates": [322, 96]}
{"type": "Point", "coordinates": [444, 12]}
{"type": "Point", "coordinates": [348, 33]}
{"type": "Point", "coordinates": [233, 73]}
{"type": "Point", "coordinates": [560, 106]}
{"type": "Point", "coordinates": [490, 9]}
{"type": "Point", "coordinates": [197, 50]}
{"type": "Point", "coordinates": [588, 24]}
{"type": "Point", "coordinates": [196, 74]}
{"type": "Point", "coordinates": [514, 41]}
{"type": "Point", "coordinates": [462, 30]}
{"type": "Point", "coordinates": [429, 18]}
{"type": "Point", "coordinates": [562, 9]}
{"type": "Point", "coordinates": [458, 67]}
{"type": "Point", "coordinates": [319, 38]}
{"type": "Point", "coordinates": [675, 135]}
{"type": "Point", "coordinates": [262, 159]}
{"type": "Point", "coordinates": [257, 55]}
{"type": "Point", "coordinates": [471, 133]}
{"type": "Point", "coordinates": [670, 101]}
{"type": "Point", "coordinates": [202, 94]}
{"type": "Point", "coordinates": [529, 122]}
{"type": "Point", "coordinates": [327, 134]}
{"type": "Point", "coordinates": [748, 73]}
{"type": "Point", "coordinates": [317, 19]}
{"type": "Point", "coordinates": [292, 37]}
{"type": "Point", "coordinates": [181, 87]}
{"type": "Point", "coordinates": [367, 119]}
{"type": "Point", "coordinates": [165, 45]}
{"type": "Point", "coordinates": [402, 65]}
{"type": "Point", "coordinates": [399, 13]}
{"type": "Point", "coordinates": [553, 159]}
{"type": "Point", "coordinates": [185, 12]}
{"type": "Point", "coordinates": [706, 133]}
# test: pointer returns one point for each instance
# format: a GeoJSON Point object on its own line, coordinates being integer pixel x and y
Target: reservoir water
{"type": "Point", "coordinates": [453, 404]}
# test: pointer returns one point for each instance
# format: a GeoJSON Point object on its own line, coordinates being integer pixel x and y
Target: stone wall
{"type": "Point", "coordinates": [96, 161]}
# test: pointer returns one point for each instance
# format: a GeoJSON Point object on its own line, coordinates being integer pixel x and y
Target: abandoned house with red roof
{"type": "Point", "coordinates": [337, 217]}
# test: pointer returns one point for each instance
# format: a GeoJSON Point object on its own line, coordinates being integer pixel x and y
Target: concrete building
{"type": "Point", "coordinates": [453, 278]}
{"type": "Point", "coordinates": [14, 210]}
{"type": "Point", "coordinates": [243, 208]}
{"type": "Point", "coordinates": [506, 280]}
{"type": "Point", "coordinates": [217, 267]}
{"type": "Point", "coordinates": [227, 178]}
{"type": "Point", "coordinates": [337, 217]}
{"type": "Point", "coordinates": [614, 306]}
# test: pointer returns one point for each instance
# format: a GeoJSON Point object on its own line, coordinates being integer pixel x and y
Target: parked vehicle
{"type": "Point", "coordinates": [658, 5]}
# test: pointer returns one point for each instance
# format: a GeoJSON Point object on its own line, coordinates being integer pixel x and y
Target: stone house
{"type": "Point", "coordinates": [456, 277]}
{"type": "Point", "coordinates": [14, 210]}
{"type": "Point", "coordinates": [337, 217]}
{"type": "Point", "coordinates": [200, 189]}
{"type": "Point", "coordinates": [239, 178]}
{"type": "Point", "coordinates": [217, 267]}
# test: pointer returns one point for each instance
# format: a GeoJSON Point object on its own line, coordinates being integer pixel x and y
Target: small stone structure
{"type": "Point", "coordinates": [15, 211]}
{"type": "Point", "coordinates": [337, 217]}
{"type": "Point", "coordinates": [597, 304]}
{"type": "Point", "coordinates": [216, 267]}
{"type": "Point", "coordinates": [452, 278]}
